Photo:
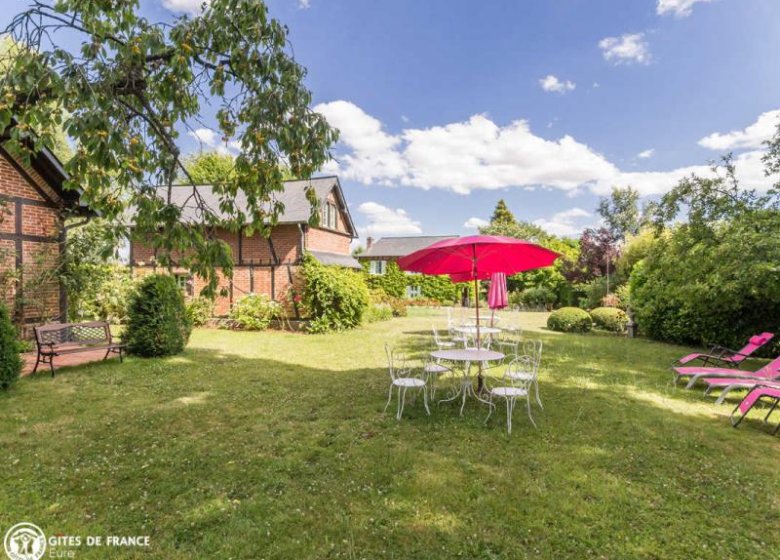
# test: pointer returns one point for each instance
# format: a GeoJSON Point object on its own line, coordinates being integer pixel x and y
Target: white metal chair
{"type": "Point", "coordinates": [401, 377]}
{"type": "Point", "coordinates": [441, 344]}
{"type": "Point", "coordinates": [533, 350]}
{"type": "Point", "coordinates": [433, 370]}
{"type": "Point", "coordinates": [521, 374]}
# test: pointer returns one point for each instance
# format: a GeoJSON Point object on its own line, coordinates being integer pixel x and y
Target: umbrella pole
{"type": "Point", "coordinates": [480, 379]}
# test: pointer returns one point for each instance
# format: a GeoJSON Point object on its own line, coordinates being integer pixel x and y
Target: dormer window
{"type": "Point", "coordinates": [330, 216]}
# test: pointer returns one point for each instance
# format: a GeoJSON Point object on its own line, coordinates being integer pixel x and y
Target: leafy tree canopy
{"type": "Point", "coordinates": [502, 214]}
{"type": "Point", "coordinates": [131, 87]}
{"type": "Point", "coordinates": [209, 168]}
{"type": "Point", "coordinates": [620, 212]}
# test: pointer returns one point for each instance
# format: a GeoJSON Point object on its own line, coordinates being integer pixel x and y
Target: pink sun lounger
{"type": "Point", "coordinates": [769, 372]}
{"type": "Point", "coordinates": [726, 384]}
{"type": "Point", "coordinates": [753, 398]}
{"type": "Point", "coordinates": [720, 356]}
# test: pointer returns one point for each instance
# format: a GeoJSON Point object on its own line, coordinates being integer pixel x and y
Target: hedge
{"type": "Point", "coordinates": [570, 319]}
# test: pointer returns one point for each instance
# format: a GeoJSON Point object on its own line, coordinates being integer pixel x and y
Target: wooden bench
{"type": "Point", "coordinates": [58, 339]}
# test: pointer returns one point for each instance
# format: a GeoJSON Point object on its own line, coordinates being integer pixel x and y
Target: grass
{"type": "Point", "coordinates": [274, 445]}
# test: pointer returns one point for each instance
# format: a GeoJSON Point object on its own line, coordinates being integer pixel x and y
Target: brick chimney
{"type": "Point", "coordinates": [369, 242]}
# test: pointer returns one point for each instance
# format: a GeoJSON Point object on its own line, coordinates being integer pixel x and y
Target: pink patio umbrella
{"type": "Point", "coordinates": [497, 296]}
{"type": "Point", "coordinates": [477, 257]}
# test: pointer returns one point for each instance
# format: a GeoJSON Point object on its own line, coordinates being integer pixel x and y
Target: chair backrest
{"type": "Point", "coordinates": [521, 364]}
{"type": "Point", "coordinates": [754, 343]}
{"type": "Point", "coordinates": [94, 332]}
{"type": "Point", "coordinates": [396, 362]}
{"type": "Point", "coordinates": [771, 370]}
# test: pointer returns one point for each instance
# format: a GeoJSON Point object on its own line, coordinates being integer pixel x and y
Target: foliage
{"type": "Point", "coordinates": [595, 292]}
{"type": "Point", "coordinates": [635, 248]}
{"type": "Point", "coordinates": [10, 361]}
{"type": "Point", "coordinates": [570, 319]}
{"type": "Point", "coordinates": [713, 278]}
{"type": "Point", "coordinates": [440, 288]}
{"type": "Point", "coordinates": [539, 297]}
{"type": "Point", "coordinates": [393, 282]}
{"type": "Point", "coordinates": [157, 318]}
{"type": "Point", "coordinates": [502, 214]}
{"type": "Point", "coordinates": [620, 212]}
{"type": "Point", "coordinates": [209, 168]}
{"type": "Point", "coordinates": [200, 310]}
{"type": "Point", "coordinates": [335, 298]}
{"type": "Point", "coordinates": [422, 302]}
{"type": "Point", "coordinates": [597, 256]}
{"type": "Point", "coordinates": [397, 305]}
{"type": "Point", "coordinates": [123, 87]}
{"type": "Point", "coordinates": [612, 299]}
{"type": "Point", "coordinates": [378, 312]}
{"type": "Point", "coordinates": [254, 312]}
{"type": "Point", "coordinates": [609, 319]}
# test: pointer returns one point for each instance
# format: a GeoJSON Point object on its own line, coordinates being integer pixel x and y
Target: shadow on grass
{"type": "Point", "coordinates": [220, 455]}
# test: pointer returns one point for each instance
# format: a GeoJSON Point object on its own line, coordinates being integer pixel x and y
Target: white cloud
{"type": "Point", "coordinates": [304, 4]}
{"type": "Point", "coordinates": [387, 221]}
{"type": "Point", "coordinates": [646, 154]}
{"type": "Point", "coordinates": [568, 223]}
{"type": "Point", "coordinates": [626, 49]}
{"type": "Point", "coordinates": [192, 7]}
{"type": "Point", "coordinates": [553, 84]}
{"type": "Point", "coordinates": [479, 154]}
{"type": "Point", "coordinates": [751, 137]}
{"type": "Point", "coordinates": [374, 156]}
{"type": "Point", "coordinates": [209, 139]}
{"type": "Point", "coordinates": [475, 223]}
{"type": "Point", "coordinates": [678, 8]}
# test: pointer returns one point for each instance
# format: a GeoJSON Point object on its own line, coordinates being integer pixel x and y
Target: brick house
{"type": "Point", "coordinates": [268, 265]}
{"type": "Point", "coordinates": [33, 208]}
{"type": "Point", "coordinates": [389, 249]}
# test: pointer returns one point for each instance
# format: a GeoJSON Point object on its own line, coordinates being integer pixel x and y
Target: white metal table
{"type": "Point", "coordinates": [473, 330]}
{"type": "Point", "coordinates": [467, 357]}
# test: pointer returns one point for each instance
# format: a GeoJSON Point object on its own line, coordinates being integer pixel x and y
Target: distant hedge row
{"type": "Point", "coordinates": [574, 319]}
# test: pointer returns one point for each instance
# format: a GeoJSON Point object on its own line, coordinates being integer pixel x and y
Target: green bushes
{"type": "Point", "coordinates": [334, 298]}
{"type": "Point", "coordinates": [609, 319]}
{"type": "Point", "coordinates": [570, 319]}
{"type": "Point", "coordinates": [199, 311]}
{"type": "Point", "coordinates": [157, 318]}
{"type": "Point", "coordinates": [537, 297]}
{"type": "Point", "coordinates": [378, 312]}
{"type": "Point", "coordinates": [10, 362]}
{"type": "Point", "coordinates": [392, 282]}
{"type": "Point", "coordinates": [397, 305]}
{"type": "Point", "coordinates": [254, 312]}
{"type": "Point", "coordinates": [99, 292]}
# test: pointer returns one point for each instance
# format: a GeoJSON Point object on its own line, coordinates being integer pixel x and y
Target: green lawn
{"type": "Point", "coordinates": [274, 445]}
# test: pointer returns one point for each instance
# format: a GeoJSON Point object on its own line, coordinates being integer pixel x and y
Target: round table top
{"type": "Point", "coordinates": [473, 330]}
{"type": "Point", "coordinates": [465, 355]}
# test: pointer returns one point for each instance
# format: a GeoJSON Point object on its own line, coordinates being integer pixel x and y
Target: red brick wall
{"type": "Point", "coordinates": [40, 217]}
{"type": "Point", "coordinates": [327, 240]}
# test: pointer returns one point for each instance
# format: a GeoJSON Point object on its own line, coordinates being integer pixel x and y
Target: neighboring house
{"type": "Point", "coordinates": [268, 265]}
{"type": "Point", "coordinates": [33, 207]}
{"type": "Point", "coordinates": [389, 249]}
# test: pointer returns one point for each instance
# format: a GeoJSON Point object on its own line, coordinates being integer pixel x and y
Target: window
{"type": "Point", "coordinates": [377, 267]}
{"type": "Point", "coordinates": [413, 292]}
{"type": "Point", "coordinates": [185, 283]}
{"type": "Point", "coordinates": [330, 216]}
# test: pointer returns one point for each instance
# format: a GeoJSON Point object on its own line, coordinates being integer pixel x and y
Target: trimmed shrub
{"type": "Point", "coordinates": [570, 319]}
{"type": "Point", "coordinates": [199, 311]}
{"type": "Point", "coordinates": [378, 312]}
{"type": "Point", "coordinates": [254, 312]}
{"type": "Point", "coordinates": [157, 318]}
{"type": "Point", "coordinates": [609, 319]}
{"type": "Point", "coordinates": [10, 361]}
{"type": "Point", "coordinates": [334, 298]}
{"type": "Point", "coordinates": [538, 297]}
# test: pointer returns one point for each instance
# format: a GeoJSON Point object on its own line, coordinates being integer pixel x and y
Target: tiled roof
{"type": "Point", "coordinates": [387, 247]}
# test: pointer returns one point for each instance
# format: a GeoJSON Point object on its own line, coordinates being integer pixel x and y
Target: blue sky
{"type": "Point", "coordinates": [446, 106]}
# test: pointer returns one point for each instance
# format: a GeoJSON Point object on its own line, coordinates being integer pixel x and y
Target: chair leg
{"type": "Point", "coordinates": [538, 400]}
{"type": "Point", "coordinates": [51, 365]}
{"type": "Point", "coordinates": [389, 397]}
{"type": "Point", "coordinates": [510, 406]}
{"type": "Point", "coordinates": [107, 353]}
{"type": "Point", "coordinates": [425, 400]}
{"type": "Point", "coordinates": [771, 410]}
{"type": "Point", "coordinates": [37, 361]}
{"type": "Point", "coordinates": [491, 406]}
{"type": "Point", "coordinates": [401, 402]}
{"type": "Point", "coordinates": [723, 393]}
{"type": "Point", "coordinates": [528, 403]}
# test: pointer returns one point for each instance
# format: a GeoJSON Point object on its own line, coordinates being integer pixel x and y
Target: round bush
{"type": "Point", "coordinates": [609, 319]}
{"type": "Point", "coordinates": [570, 319]}
{"type": "Point", "coordinates": [255, 312]}
{"type": "Point", "coordinates": [200, 310]}
{"type": "Point", "coordinates": [157, 324]}
{"type": "Point", "coordinates": [10, 362]}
